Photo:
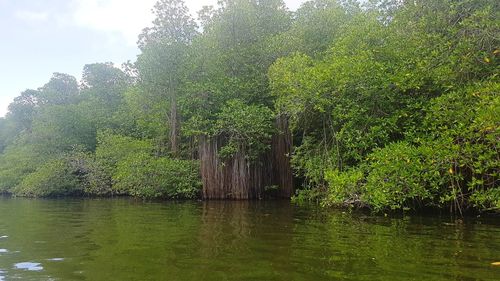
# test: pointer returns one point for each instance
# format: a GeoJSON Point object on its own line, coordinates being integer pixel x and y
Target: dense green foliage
{"type": "Point", "coordinates": [401, 113]}
{"type": "Point", "coordinates": [248, 128]}
{"type": "Point", "coordinates": [111, 150]}
{"type": "Point", "coordinates": [393, 105]}
{"type": "Point", "coordinates": [52, 178]}
{"type": "Point", "coordinates": [146, 176]}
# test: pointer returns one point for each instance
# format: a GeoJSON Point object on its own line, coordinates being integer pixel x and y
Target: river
{"type": "Point", "coordinates": [125, 239]}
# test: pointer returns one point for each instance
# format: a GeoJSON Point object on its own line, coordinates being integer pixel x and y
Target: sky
{"type": "Point", "coordinates": [40, 37]}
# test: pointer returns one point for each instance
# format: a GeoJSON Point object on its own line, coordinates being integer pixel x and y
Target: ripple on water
{"type": "Point", "coordinates": [56, 259]}
{"type": "Point", "coordinates": [2, 277]}
{"type": "Point", "coordinates": [3, 251]}
{"type": "Point", "coordinates": [30, 266]}
{"type": "Point", "coordinates": [4, 236]}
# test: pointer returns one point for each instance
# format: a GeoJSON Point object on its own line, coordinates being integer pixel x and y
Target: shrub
{"type": "Point", "coordinates": [54, 178]}
{"type": "Point", "coordinates": [111, 149]}
{"type": "Point", "coordinates": [399, 177]}
{"type": "Point", "coordinates": [344, 187]}
{"type": "Point", "coordinates": [452, 161]}
{"type": "Point", "coordinates": [16, 163]}
{"type": "Point", "coordinates": [143, 175]}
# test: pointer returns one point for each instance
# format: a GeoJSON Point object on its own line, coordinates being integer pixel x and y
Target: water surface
{"type": "Point", "coordinates": [123, 239]}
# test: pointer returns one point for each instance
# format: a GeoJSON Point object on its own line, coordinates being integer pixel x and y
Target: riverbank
{"type": "Point", "coordinates": [386, 104]}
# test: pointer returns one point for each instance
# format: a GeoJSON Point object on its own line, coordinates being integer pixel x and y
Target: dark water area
{"type": "Point", "coordinates": [124, 239]}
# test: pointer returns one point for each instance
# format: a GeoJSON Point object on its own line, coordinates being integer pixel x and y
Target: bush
{"type": "Point", "coordinates": [309, 194]}
{"type": "Point", "coordinates": [16, 163]}
{"type": "Point", "coordinates": [111, 149]}
{"type": "Point", "coordinates": [344, 187]}
{"type": "Point", "coordinates": [399, 176]}
{"type": "Point", "coordinates": [54, 178]}
{"type": "Point", "coordinates": [146, 176]}
{"type": "Point", "coordinates": [464, 127]}
{"type": "Point", "coordinates": [486, 199]}
{"type": "Point", "coordinates": [452, 161]}
{"type": "Point", "coordinates": [98, 179]}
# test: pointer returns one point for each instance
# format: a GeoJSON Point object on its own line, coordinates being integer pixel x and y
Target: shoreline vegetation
{"type": "Point", "coordinates": [387, 105]}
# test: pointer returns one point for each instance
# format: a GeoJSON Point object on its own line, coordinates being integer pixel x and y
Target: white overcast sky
{"type": "Point", "coordinates": [40, 37]}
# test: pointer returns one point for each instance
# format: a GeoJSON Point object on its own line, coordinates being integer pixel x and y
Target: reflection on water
{"type": "Point", "coordinates": [246, 240]}
{"type": "Point", "coordinates": [31, 266]}
{"type": "Point", "coordinates": [124, 239]}
{"type": "Point", "coordinates": [56, 259]}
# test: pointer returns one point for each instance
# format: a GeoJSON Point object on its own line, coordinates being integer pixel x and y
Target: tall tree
{"type": "Point", "coordinates": [228, 61]}
{"type": "Point", "coordinates": [228, 100]}
{"type": "Point", "coordinates": [163, 52]}
{"type": "Point", "coordinates": [61, 89]}
{"type": "Point", "coordinates": [103, 88]}
{"type": "Point", "coordinates": [23, 109]}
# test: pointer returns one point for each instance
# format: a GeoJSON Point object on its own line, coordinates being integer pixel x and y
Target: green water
{"type": "Point", "coordinates": [124, 239]}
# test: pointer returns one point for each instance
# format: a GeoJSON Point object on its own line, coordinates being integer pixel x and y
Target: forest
{"type": "Point", "coordinates": [389, 105]}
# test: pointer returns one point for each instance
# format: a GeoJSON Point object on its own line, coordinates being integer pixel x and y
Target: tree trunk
{"type": "Point", "coordinates": [174, 127]}
{"type": "Point", "coordinates": [281, 151]}
{"type": "Point", "coordinates": [238, 178]}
